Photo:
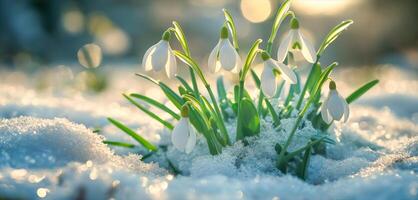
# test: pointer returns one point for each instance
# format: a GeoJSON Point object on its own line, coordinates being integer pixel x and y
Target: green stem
{"type": "Point", "coordinates": [195, 87]}
{"type": "Point", "coordinates": [305, 87]}
{"type": "Point", "coordinates": [218, 113]}
{"type": "Point", "coordinates": [240, 94]}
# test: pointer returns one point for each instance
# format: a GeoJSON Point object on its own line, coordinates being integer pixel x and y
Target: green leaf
{"type": "Point", "coordinates": [256, 79]}
{"type": "Point", "coordinates": [232, 28]}
{"type": "Point", "coordinates": [250, 58]}
{"type": "Point", "coordinates": [221, 89]}
{"type": "Point", "coordinates": [333, 35]}
{"type": "Point", "coordinates": [236, 93]}
{"type": "Point", "coordinates": [326, 138]}
{"type": "Point", "coordinates": [273, 113]}
{"type": "Point", "coordinates": [313, 78]}
{"type": "Point", "coordinates": [362, 90]}
{"type": "Point", "coordinates": [184, 83]}
{"type": "Point", "coordinates": [191, 63]}
{"type": "Point", "coordinates": [169, 93]}
{"type": "Point", "coordinates": [149, 113]}
{"type": "Point", "coordinates": [134, 135]}
{"type": "Point", "coordinates": [302, 170]}
{"type": "Point", "coordinates": [119, 144]}
{"type": "Point", "coordinates": [156, 104]}
{"type": "Point", "coordinates": [248, 120]}
{"type": "Point", "coordinates": [181, 37]}
{"type": "Point", "coordinates": [147, 78]}
{"type": "Point", "coordinates": [281, 13]}
{"type": "Point", "coordinates": [318, 86]}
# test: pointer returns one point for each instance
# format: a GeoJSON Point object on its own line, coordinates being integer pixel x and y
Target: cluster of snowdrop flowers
{"type": "Point", "coordinates": [195, 114]}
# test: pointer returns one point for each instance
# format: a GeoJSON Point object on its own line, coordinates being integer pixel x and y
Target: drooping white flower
{"type": "Point", "coordinates": [295, 42]}
{"type": "Point", "coordinates": [224, 55]}
{"type": "Point", "coordinates": [160, 56]}
{"type": "Point", "coordinates": [335, 107]}
{"type": "Point", "coordinates": [183, 136]}
{"type": "Point", "coordinates": [268, 78]}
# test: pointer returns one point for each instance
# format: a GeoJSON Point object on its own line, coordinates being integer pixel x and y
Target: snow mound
{"type": "Point", "coordinates": [28, 142]}
{"type": "Point", "coordinates": [63, 160]}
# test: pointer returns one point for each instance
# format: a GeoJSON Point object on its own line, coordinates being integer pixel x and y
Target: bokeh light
{"type": "Point", "coordinates": [73, 21]}
{"type": "Point", "coordinates": [90, 56]}
{"type": "Point", "coordinates": [256, 11]}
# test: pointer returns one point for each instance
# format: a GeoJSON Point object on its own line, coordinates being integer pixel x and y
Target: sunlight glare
{"type": "Point", "coordinates": [256, 11]}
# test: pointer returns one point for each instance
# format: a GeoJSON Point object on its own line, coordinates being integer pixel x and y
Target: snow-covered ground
{"type": "Point", "coordinates": [48, 148]}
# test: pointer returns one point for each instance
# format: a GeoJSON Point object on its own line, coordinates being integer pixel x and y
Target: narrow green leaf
{"type": "Point", "coordinates": [248, 119]}
{"type": "Point", "coordinates": [333, 35]}
{"type": "Point", "coordinates": [191, 63]}
{"type": "Point", "coordinates": [313, 78]}
{"type": "Point", "coordinates": [302, 170]}
{"type": "Point", "coordinates": [119, 144]}
{"type": "Point", "coordinates": [181, 37]}
{"type": "Point", "coordinates": [362, 90]}
{"type": "Point", "coordinates": [147, 78]}
{"type": "Point", "coordinates": [149, 113]}
{"type": "Point", "coordinates": [232, 28]}
{"type": "Point", "coordinates": [169, 93]}
{"type": "Point", "coordinates": [250, 58]}
{"type": "Point", "coordinates": [256, 79]}
{"type": "Point", "coordinates": [274, 115]}
{"type": "Point", "coordinates": [221, 89]}
{"type": "Point", "coordinates": [184, 83]}
{"type": "Point", "coordinates": [134, 135]}
{"type": "Point", "coordinates": [281, 13]}
{"type": "Point", "coordinates": [236, 93]}
{"type": "Point", "coordinates": [156, 104]}
{"type": "Point", "coordinates": [326, 138]}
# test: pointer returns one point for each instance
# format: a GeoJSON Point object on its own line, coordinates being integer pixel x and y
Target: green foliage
{"type": "Point", "coordinates": [362, 90]}
{"type": "Point", "coordinates": [249, 120]}
{"type": "Point", "coordinates": [333, 35]}
{"type": "Point", "coordinates": [134, 135]}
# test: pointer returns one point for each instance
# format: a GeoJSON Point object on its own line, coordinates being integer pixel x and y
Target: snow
{"type": "Point", "coordinates": [48, 149]}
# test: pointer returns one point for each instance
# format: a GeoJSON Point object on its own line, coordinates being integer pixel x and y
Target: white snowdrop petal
{"type": "Point", "coordinates": [346, 109]}
{"type": "Point", "coordinates": [180, 134]}
{"type": "Point", "coordinates": [284, 47]}
{"type": "Point", "coordinates": [238, 64]}
{"type": "Point", "coordinates": [146, 60]}
{"type": "Point", "coordinates": [227, 55]}
{"type": "Point", "coordinates": [287, 73]}
{"type": "Point", "coordinates": [159, 57]}
{"type": "Point", "coordinates": [324, 113]}
{"type": "Point", "coordinates": [213, 63]}
{"type": "Point", "coordinates": [335, 105]}
{"type": "Point", "coordinates": [268, 81]}
{"type": "Point", "coordinates": [171, 66]}
{"type": "Point", "coordinates": [308, 50]}
{"type": "Point", "coordinates": [191, 142]}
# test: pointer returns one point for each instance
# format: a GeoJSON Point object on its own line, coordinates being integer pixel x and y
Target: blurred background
{"type": "Point", "coordinates": [48, 33]}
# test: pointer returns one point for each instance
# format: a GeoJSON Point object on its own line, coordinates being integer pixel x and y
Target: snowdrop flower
{"type": "Point", "coordinates": [224, 55]}
{"type": "Point", "coordinates": [295, 42]}
{"type": "Point", "coordinates": [183, 136]}
{"type": "Point", "coordinates": [160, 56]}
{"type": "Point", "coordinates": [268, 78]}
{"type": "Point", "coordinates": [335, 106]}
